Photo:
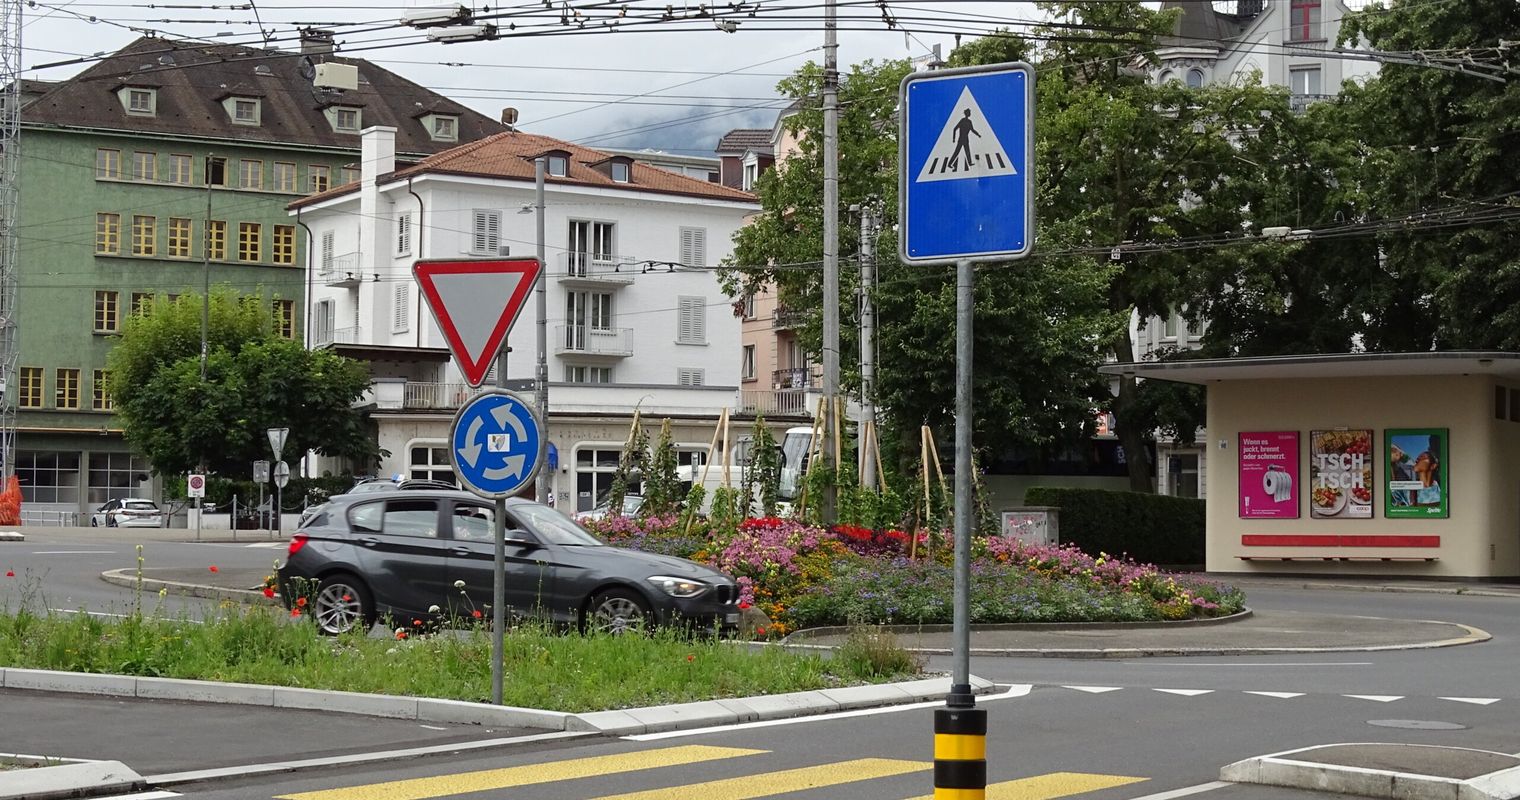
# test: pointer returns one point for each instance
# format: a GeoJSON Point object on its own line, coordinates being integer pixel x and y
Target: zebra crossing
{"type": "Point", "coordinates": [1376, 698]}
{"type": "Point", "coordinates": [659, 775]}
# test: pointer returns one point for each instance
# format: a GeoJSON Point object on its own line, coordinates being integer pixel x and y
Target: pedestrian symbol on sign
{"type": "Point", "coordinates": [954, 157]}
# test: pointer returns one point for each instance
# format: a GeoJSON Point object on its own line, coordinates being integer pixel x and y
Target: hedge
{"type": "Point", "coordinates": [1149, 528]}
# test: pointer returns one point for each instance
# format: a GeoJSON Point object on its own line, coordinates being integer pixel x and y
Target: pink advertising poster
{"type": "Point", "coordinates": [1269, 475]}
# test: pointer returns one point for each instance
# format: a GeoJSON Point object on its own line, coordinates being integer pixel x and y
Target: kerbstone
{"type": "Point", "coordinates": [70, 780]}
{"type": "Point", "coordinates": [868, 696]}
{"type": "Point", "coordinates": [463, 713]}
{"type": "Point", "coordinates": [74, 682]}
{"type": "Point", "coordinates": [682, 715]}
{"type": "Point", "coordinates": [614, 723]}
{"type": "Point", "coordinates": [246, 694]}
{"type": "Point", "coordinates": [793, 704]}
{"type": "Point", "coordinates": [375, 705]}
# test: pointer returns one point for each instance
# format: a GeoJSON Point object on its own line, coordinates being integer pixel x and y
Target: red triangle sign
{"type": "Point", "coordinates": [476, 302]}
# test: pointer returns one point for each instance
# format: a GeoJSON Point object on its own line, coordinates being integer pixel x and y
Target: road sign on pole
{"type": "Point", "coordinates": [281, 474]}
{"type": "Point", "coordinates": [277, 440]}
{"type": "Point", "coordinates": [197, 485]}
{"type": "Point", "coordinates": [261, 472]}
{"type": "Point", "coordinates": [494, 444]}
{"type": "Point", "coordinates": [965, 164]}
{"type": "Point", "coordinates": [476, 302]}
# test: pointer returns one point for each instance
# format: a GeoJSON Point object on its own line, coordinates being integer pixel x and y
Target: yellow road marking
{"type": "Point", "coordinates": [1052, 785]}
{"type": "Point", "coordinates": [526, 775]}
{"type": "Point", "coordinates": [774, 783]}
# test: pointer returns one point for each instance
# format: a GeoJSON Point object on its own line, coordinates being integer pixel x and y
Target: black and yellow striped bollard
{"type": "Point", "coordinates": [960, 753]}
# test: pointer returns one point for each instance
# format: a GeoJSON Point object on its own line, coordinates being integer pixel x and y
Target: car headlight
{"type": "Point", "coordinates": [678, 587]}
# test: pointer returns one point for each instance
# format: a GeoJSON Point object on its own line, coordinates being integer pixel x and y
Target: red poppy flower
{"type": "Point", "coordinates": [760, 631]}
{"type": "Point", "coordinates": [743, 604]}
{"type": "Point", "coordinates": [301, 601]}
{"type": "Point", "coordinates": [295, 612]}
{"type": "Point", "coordinates": [214, 569]}
{"type": "Point", "coordinates": [478, 615]}
{"type": "Point", "coordinates": [269, 591]}
{"type": "Point", "coordinates": [400, 634]}
{"type": "Point", "coordinates": [417, 623]}
{"type": "Point", "coordinates": [10, 574]}
{"type": "Point", "coordinates": [690, 657]}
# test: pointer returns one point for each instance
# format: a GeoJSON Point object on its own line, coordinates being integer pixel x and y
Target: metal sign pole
{"type": "Point", "coordinates": [960, 671]}
{"type": "Point", "coordinates": [499, 602]}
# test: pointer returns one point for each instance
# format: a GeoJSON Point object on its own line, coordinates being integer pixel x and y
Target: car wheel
{"type": "Point", "coordinates": [616, 612]}
{"type": "Point", "coordinates": [343, 604]}
{"type": "Point", "coordinates": [93, 523]}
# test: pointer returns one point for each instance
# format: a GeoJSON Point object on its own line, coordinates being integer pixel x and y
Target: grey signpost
{"type": "Point", "coordinates": [277, 438]}
{"type": "Point", "coordinates": [260, 477]}
{"type": "Point", "coordinates": [966, 192]}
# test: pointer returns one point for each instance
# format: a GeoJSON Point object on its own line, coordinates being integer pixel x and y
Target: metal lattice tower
{"type": "Point", "coordinates": [10, 167]}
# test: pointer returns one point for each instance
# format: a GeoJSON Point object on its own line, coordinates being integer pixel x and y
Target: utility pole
{"type": "Point", "coordinates": [542, 398]}
{"type": "Point", "coordinates": [206, 314]}
{"type": "Point", "coordinates": [10, 169]}
{"type": "Point", "coordinates": [830, 244]}
{"type": "Point", "coordinates": [867, 458]}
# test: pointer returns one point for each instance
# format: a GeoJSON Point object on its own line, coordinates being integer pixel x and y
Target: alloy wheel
{"type": "Point", "coordinates": [617, 615]}
{"type": "Point", "coordinates": [338, 609]}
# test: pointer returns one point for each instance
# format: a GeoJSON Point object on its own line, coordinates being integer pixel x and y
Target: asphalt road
{"type": "Point", "coordinates": [1121, 729]}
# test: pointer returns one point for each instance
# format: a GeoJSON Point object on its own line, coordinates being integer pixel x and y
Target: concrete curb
{"type": "Point", "coordinates": [88, 779]}
{"type": "Point", "coordinates": [1280, 769]}
{"type": "Point", "coordinates": [12, 536]}
{"type": "Point", "coordinates": [128, 578]}
{"type": "Point", "coordinates": [619, 722]}
{"type": "Point", "coordinates": [834, 630]}
{"type": "Point", "coordinates": [1288, 583]}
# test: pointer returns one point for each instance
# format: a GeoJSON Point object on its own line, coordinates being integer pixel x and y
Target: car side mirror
{"type": "Point", "coordinates": [519, 538]}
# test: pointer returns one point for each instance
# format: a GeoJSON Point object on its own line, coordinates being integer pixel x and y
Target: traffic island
{"type": "Point", "coordinates": [26, 778]}
{"type": "Point", "coordinates": [1402, 771]}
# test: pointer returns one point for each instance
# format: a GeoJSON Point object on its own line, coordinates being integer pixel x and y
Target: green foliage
{"type": "Point", "coordinates": [764, 474]}
{"type": "Point", "coordinates": [633, 464]}
{"type": "Point", "coordinates": [662, 487]}
{"type": "Point", "coordinates": [255, 380]}
{"type": "Point", "coordinates": [727, 511]}
{"type": "Point", "coordinates": [1145, 527]}
{"type": "Point", "coordinates": [875, 651]}
{"type": "Point", "coordinates": [695, 497]}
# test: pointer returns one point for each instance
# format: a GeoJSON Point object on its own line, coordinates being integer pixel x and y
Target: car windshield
{"type": "Point", "coordinates": [141, 505]}
{"type": "Point", "coordinates": [554, 528]}
{"type": "Point", "coordinates": [372, 486]}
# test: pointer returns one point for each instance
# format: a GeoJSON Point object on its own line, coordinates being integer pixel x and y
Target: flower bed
{"type": "Point", "coordinates": [805, 576]}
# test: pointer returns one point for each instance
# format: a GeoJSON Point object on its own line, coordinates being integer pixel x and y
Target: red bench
{"type": "Point", "coordinates": [1321, 540]}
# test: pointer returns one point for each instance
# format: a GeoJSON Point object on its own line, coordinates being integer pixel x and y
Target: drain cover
{"type": "Point", "coordinates": [1417, 724]}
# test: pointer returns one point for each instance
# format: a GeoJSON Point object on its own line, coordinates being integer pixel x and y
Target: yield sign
{"type": "Point", "coordinates": [476, 303]}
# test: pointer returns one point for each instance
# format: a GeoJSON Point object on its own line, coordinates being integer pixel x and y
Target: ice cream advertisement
{"type": "Point", "coordinates": [1268, 468]}
{"type": "Point", "coordinates": [1340, 474]}
{"type": "Point", "coordinates": [1417, 480]}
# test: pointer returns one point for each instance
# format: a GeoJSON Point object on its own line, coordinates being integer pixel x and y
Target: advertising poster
{"type": "Point", "coordinates": [1340, 474]}
{"type": "Point", "coordinates": [1269, 475]}
{"type": "Point", "coordinates": [1417, 482]}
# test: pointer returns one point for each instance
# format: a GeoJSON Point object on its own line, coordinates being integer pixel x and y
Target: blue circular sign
{"type": "Point", "coordinates": [495, 444]}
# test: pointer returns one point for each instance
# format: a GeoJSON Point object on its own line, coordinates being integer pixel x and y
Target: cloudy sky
{"type": "Point", "coordinates": [628, 75]}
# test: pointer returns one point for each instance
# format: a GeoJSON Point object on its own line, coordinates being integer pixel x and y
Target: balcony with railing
{"type": "Point", "coordinates": [1300, 102]}
{"type": "Point", "coordinates": [345, 271]}
{"type": "Point", "coordinates": [426, 395]}
{"type": "Point", "coordinates": [589, 271]}
{"type": "Point", "coordinates": [324, 337]}
{"type": "Point", "coordinates": [792, 378]}
{"type": "Point", "coordinates": [785, 319]}
{"type": "Point", "coordinates": [584, 340]}
{"type": "Point", "coordinates": [775, 403]}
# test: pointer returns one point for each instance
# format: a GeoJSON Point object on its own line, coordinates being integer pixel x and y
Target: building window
{"type": "Point", "coordinates": [250, 174]}
{"type": "Point", "coordinates": [107, 163]}
{"type": "Point", "coordinates": [595, 468]}
{"type": "Point", "coordinates": [249, 240]}
{"type": "Point", "coordinates": [747, 366]}
{"type": "Point", "coordinates": [327, 251]}
{"type": "Point", "coordinates": [115, 476]}
{"type": "Point", "coordinates": [692, 322]}
{"type": "Point", "coordinates": [403, 234]}
{"type": "Point", "coordinates": [107, 317]}
{"type": "Point", "coordinates": [486, 239]}
{"type": "Point", "coordinates": [284, 176]}
{"type": "Point", "coordinates": [142, 304]}
{"type": "Point", "coordinates": [68, 388]}
{"type": "Point", "coordinates": [346, 120]}
{"type": "Point", "coordinates": [320, 177]}
{"type": "Point", "coordinates": [100, 395]}
{"type": "Point", "coordinates": [693, 247]}
{"type": "Point", "coordinates": [181, 169]}
{"type": "Point", "coordinates": [445, 129]}
{"type": "Point", "coordinates": [141, 102]}
{"type": "Point", "coordinates": [179, 237]}
{"type": "Point", "coordinates": [216, 239]}
{"type": "Point", "coordinates": [401, 308]}
{"type": "Point", "coordinates": [748, 306]}
{"type": "Point", "coordinates": [621, 172]}
{"type": "Point", "coordinates": [30, 392]}
{"type": "Point", "coordinates": [245, 111]}
{"type": "Point", "coordinates": [690, 376]}
{"type": "Point", "coordinates": [285, 318]}
{"type": "Point", "coordinates": [1305, 81]}
{"type": "Point", "coordinates": [1303, 20]}
{"type": "Point", "coordinates": [144, 235]}
{"type": "Point", "coordinates": [350, 175]}
{"type": "Point", "coordinates": [324, 318]}
{"type": "Point", "coordinates": [284, 244]}
{"type": "Point", "coordinates": [589, 242]}
{"type": "Point", "coordinates": [430, 463]}
{"type": "Point", "coordinates": [144, 166]}
{"type": "Point", "coordinates": [1195, 79]}
{"type": "Point", "coordinates": [559, 166]}
{"type": "Point", "coordinates": [108, 233]}
{"type": "Point", "coordinates": [580, 373]}
{"type": "Point", "coordinates": [48, 477]}
{"type": "Point", "coordinates": [216, 171]}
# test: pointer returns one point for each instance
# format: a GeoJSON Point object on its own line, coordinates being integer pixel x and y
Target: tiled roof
{"type": "Point", "coordinates": [740, 140]}
{"type": "Point", "coordinates": [191, 79]}
{"type": "Point", "coordinates": [510, 156]}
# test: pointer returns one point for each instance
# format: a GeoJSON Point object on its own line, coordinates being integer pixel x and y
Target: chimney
{"type": "Point", "coordinates": [316, 42]}
{"type": "Point", "coordinates": [377, 153]}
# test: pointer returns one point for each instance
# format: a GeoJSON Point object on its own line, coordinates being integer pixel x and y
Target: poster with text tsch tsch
{"type": "Point", "coordinates": [1340, 475]}
{"type": "Point", "coordinates": [1269, 475]}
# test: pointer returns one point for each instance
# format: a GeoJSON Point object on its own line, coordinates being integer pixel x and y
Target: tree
{"type": "Point", "coordinates": [255, 380]}
{"type": "Point", "coordinates": [763, 478]}
{"type": "Point", "coordinates": [662, 486]}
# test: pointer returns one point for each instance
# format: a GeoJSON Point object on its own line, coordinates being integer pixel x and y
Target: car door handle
{"type": "Point", "coordinates": [462, 552]}
{"type": "Point", "coordinates": [369, 541]}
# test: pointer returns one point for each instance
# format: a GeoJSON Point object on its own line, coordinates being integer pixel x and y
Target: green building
{"type": "Point", "coordinates": [131, 172]}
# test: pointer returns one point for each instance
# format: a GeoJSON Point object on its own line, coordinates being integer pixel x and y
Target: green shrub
{"type": "Point", "coordinates": [1147, 527]}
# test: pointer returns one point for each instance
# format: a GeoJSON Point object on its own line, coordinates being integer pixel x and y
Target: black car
{"type": "Point", "coordinates": [364, 557]}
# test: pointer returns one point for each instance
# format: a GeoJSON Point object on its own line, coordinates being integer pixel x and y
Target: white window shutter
{"type": "Point", "coordinates": [404, 234]}
{"type": "Point", "coordinates": [401, 315]}
{"type": "Point", "coordinates": [698, 320]}
{"type": "Point", "coordinates": [493, 232]}
{"type": "Point", "coordinates": [327, 250]}
{"type": "Point", "coordinates": [687, 376]}
{"type": "Point", "coordinates": [480, 242]}
{"type": "Point", "coordinates": [694, 247]}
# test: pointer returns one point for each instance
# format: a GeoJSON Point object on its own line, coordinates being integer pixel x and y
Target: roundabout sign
{"type": "Point", "coordinates": [494, 442]}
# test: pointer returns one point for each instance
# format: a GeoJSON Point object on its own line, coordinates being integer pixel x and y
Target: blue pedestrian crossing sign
{"type": "Point", "coordinates": [965, 164]}
{"type": "Point", "coordinates": [495, 444]}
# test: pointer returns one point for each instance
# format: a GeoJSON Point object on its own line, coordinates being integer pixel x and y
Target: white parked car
{"type": "Point", "coordinates": [129, 513]}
